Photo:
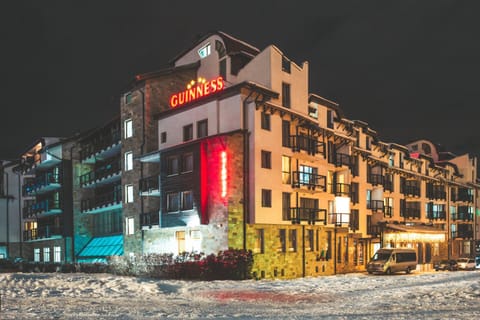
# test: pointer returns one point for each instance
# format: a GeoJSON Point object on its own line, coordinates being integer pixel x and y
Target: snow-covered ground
{"type": "Point", "coordinates": [432, 295]}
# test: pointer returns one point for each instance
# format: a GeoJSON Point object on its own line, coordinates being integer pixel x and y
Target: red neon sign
{"type": "Point", "coordinates": [202, 89]}
{"type": "Point", "coordinates": [223, 173]}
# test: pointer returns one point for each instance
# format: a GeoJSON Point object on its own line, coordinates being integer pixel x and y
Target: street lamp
{"type": "Point", "coordinates": [340, 217]}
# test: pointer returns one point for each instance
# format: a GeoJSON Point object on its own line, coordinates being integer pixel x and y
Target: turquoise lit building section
{"type": "Point", "coordinates": [99, 248]}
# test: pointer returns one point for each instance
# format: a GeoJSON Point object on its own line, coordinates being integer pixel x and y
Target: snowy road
{"type": "Point", "coordinates": [433, 295]}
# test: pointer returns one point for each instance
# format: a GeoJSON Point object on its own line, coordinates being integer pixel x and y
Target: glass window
{"type": "Point", "coordinates": [330, 119]}
{"type": "Point", "coordinates": [187, 200]}
{"type": "Point", "coordinates": [172, 165]}
{"type": "Point", "coordinates": [204, 51]}
{"type": "Point", "coordinates": [130, 225]}
{"type": "Point", "coordinates": [202, 128]}
{"type": "Point", "coordinates": [285, 64]}
{"type": "Point", "coordinates": [129, 193]}
{"type": "Point", "coordinates": [36, 254]}
{"type": "Point", "coordinates": [286, 206]}
{"type": "Point", "coordinates": [266, 198]}
{"type": "Point", "coordinates": [266, 159]}
{"type": "Point", "coordinates": [265, 119]}
{"type": "Point", "coordinates": [57, 254]}
{"type": "Point", "coordinates": [173, 202]}
{"type": "Point", "coordinates": [163, 137]}
{"type": "Point", "coordinates": [187, 162]}
{"type": "Point", "coordinates": [128, 160]}
{"type": "Point", "coordinates": [286, 95]}
{"type": "Point", "coordinates": [46, 254]}
{"type": "Point", "coordinates": [286, 175]}
{"type": "Point", "coordinates": [282, 234]}
{"type": "Point", "coordinates": [128, 128]}
{"type": "Point", "coordinates": [128, 98]}
{"type": "Point", "coordinates": [310, 240]}
{"type": "Point", "coordinates": [292, 240]}
{"type": "Point", "coordinates": [285, 133]}
{"type": "Point", "coordinates": [259, 241]}
{"type": "Point", "coordinates": [188, 132]}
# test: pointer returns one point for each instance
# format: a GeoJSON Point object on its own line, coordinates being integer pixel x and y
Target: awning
{"type": "Point", "coordinates": [99, 248]}
{"type": "Point", "coordinates": [414, 228]}
{"type": "Point", "coordinates": [414, 233]}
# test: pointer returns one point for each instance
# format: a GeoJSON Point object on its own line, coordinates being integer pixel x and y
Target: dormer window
{"type": "Point", "coordinates": [285, 65]}
{"type": "Point", "coordinates": [204, 51]}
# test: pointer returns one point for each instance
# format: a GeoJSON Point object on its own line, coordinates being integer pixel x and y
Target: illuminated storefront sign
{"type": "Point", "coordinates": [196, 90]}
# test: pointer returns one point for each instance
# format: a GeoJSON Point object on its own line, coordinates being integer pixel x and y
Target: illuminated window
{"type": "Point", "coordinates": [172, 165]}
{"type": "Point", "coordinates": [129, 193]}
{"type": "Point", "coordinates": [266, 198]}
{"type": "Point", "coordinates": [286, 95]}
{"type": "Point", "coordinates": [128, 128]}
{"type": "Point", "coordinates": [286, 175]}
{"type": "Point", "coordinates": [266, 159]}
{"type": "Point", "coordinates": [313, 112]}
{"type": "Point", "coordinates": [36, 254]}
{"type": "Point", "coordinates": [187, 162]}
{"type": "Point", "coordinates": [259, 241]}
{"type": "Point", "coordinates": [163, 137]}
{"type": "Point", "coordinates": [204, 51]}
{"type": "Point", "coordinates": [202, 128]}
{"type": "Point", "coordinates": [128, 160]}
{"type": "Point", "coordinates": [46, 254]}
{"type": "Point", "coordinates": [292, 240]}
{"type": "Point", "coordinates": [129, 225]}
{"type": "Point", "coordinates": [57, 254]}
{"type": "Point", "coordinates": [265, 119]}
{"type": "Point", "coordinates": [188, 132]}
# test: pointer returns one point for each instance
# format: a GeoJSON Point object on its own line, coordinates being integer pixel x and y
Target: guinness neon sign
{"type": "Point", "coordinates": [196, 90]}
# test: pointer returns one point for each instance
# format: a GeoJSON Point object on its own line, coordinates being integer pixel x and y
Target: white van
{"type": "Point", "coordinates": [391, 260]}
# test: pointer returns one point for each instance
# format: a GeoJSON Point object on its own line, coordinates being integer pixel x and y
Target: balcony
{"type": "Point", "coordinates": [374, 230]}
{"type": "Point", "coordinates": [463, 215]}
{"type": "Point", "coordinates": [411, 212]}
{"type": "Point", "coordinates": [375, 205]}
{"type": "Point", "coordinates": [101, 147]}
{"type": "Point", "coordinates": [375, 179]}
{"type": "Point", "coordinates": [437, 215]}
{"type": "Point", "coordinates": [411, 189]}
{"type": "Point", "coordinates": [42, 233]}
{"type": "Point", "coordinates": [311, 181]}
{"type": "Point", "coordinates": [340, 189]}
{"type": "Point", "coordinates": [150, 186]}
{"type": "Point", "coordinates": [465, 234]}
{"type": "Point", "coordinates": [312, 215]}
{"type": "Point", "coordinates": [342, 159]}
{"type": "Point", "coordinates": [104, 174]}
{"type": "Point", "coordinates": [42, 184]}
{"type": "Point", "coordinates": [42, 208]}
{"type": "Point", "coordinates": [150, 219]}
{"type": "Point", "coordinates": [102, 202]}
{"type": "Point", "coordinates": [309, 144]}
{"type": "Point", "coordinates": [462, 196]}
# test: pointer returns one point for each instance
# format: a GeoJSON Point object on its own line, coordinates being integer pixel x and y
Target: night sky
{"type": "Point", "coordinates": [410, 69]}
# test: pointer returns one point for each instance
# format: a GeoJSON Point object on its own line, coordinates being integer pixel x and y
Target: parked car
{"type": "Point", "coordinates": [466, 264]}
{"type": "Point", "coordinates": [449, 265]}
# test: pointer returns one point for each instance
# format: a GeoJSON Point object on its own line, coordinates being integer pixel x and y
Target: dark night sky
{"type": "Point", "coordinates": [408, 68]}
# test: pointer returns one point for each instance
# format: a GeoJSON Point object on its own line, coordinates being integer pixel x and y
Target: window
{"type": "Point", "coordinates": [173, 201]}
{"type": "Point", "coordinates": [285, 65]}
{"type": "Point", "coordinates": [172, 165]}
{"type": "Point", "coordinates": [259, 241]}
{"type": "Point", "coordinates": [330, 119]}
{"type": "Point", "coordinates": [188, 132]}
{"type": "Point", "coordinates": [57, 254]}
{"type": "Point", "coordinates": [266, 159]}
{"type": "Point", "coordinates": [282, 235]}
{"type": "Point", "coordinates": [286, 95]}
{"type": "Point", "coordinates": [187, 162]}
{"type": "Point", "coordinates": [368, 145]}
{"type": "Point", "coordinates": [313, 112]}
{"type": "Point", "coordinates": [292, 240]}
{"type": "Point", "coordinates": [286, 206]}
{"type": "Point", "coordinates": [286, 175]}
{"type": "Point", "coordinates": [222, 65]}
{"type": "Point", "coordinates": [46, 254]}
{"type": "Point", "coordinates": [202, 128]}
{"type": "Point", "coordinates": [285, 133]}
{"type": "Point", "coordinates": [204, 51]}
{"type": "Point", "coordinates": [128, 98]}
{"type": "Point", "coordinates": [129, 193]}
{"type": "Point", "coordinates": [128, 128]}
{"type": "Point", "coordinates": [128, 160]}
{"type": "Point", "coordinates": [310, 240]}
{"type": "Point", "coordinates": [266, 198]}
{"type": "Point", "coordinates": [265, 119]}
{"type": "Point", "coordinates": [129, 225]}
{"type": "Point", "coordinates": [36, 254]}
{"type": "Point", "coordinates": [187, 200]}
{"type": "Point", "coordinates": [307, 175]}
{"type": "Point", "coordinates": [163, 137]}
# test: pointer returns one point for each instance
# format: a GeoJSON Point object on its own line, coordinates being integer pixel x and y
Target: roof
{"type": "Point", "coordinates": [232, 45]}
